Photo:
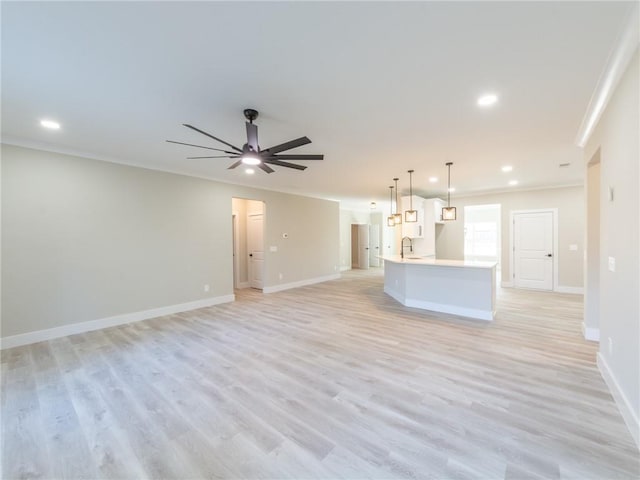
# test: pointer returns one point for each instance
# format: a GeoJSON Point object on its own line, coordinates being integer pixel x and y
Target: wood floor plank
{"type": "Point", "coordinates": [334, 380]}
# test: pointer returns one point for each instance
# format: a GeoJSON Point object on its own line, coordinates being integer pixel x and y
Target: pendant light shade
{"type": "Point", "coordinates": [449, 212]}
{"type": "Point", "coordinates": [397, 217]}
{"type": "Point", "coordinates": [411, 215]}
{"type": "Point", "coordinates": [391, 220]}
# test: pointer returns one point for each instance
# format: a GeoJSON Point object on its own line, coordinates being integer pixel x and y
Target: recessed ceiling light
{"type": "Point", "coordinates": [50, 124]}
{"type": "Point", "coordinates": [249, 171]}
{"type": "Point", "coordinates": [487, 100]}
{"type": "Point", "coordinates": [513, 182]}
{"type": "Point", "coordinates": [452, 189]}
{"type": "Point", "coordinates": [433, 179]}
{"type": "Point", "coordinates": [507, 168]}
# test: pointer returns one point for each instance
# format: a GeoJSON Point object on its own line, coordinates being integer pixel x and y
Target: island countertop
{"type": "Point", "coordinates": [438, 262]}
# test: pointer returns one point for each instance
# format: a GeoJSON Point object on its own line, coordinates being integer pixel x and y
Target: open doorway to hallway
{"type": "Point", "coordinates": [248, 219]}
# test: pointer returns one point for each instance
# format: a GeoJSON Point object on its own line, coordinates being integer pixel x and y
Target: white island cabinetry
{"type": "Point", "coordinates": [449, 286]}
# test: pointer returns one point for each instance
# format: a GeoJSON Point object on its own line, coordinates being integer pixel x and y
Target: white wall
{"type": "Point", "coordinates": [617, 138]}
{"type": "Point", "coordinates": [571, 211]}
{"type": "Point", "coordinates": [592, 273]}
{"type": "Point", "coordinates": [84, 240]}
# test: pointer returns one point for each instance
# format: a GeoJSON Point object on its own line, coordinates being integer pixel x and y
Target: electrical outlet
{"type": "Point", "coordinates": [612, 264]}
{"type": "Point", "coordinates": [280, 276]}
{"type": "Point", "coordinates": [206, 287]}
{"type": "Point", "coordinates": [610, 346]}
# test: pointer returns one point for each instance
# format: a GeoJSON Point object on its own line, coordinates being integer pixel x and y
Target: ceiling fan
{"type": "Point", "coordinates": [250, 153]}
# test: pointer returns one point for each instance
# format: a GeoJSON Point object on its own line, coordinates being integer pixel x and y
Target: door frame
{"type": "Point", "coordinates": [235, 249]}
{"type": "Point", "coordinates": [512, 219]}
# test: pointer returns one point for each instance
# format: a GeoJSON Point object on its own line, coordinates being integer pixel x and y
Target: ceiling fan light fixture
{"type": "Point", "coordinates": [251, 159]}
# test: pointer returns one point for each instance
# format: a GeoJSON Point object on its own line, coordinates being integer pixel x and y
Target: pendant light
{"type": "Point", "coordinates": [411, 215]}
{"type": "Point", "coordinates": [449, 212]}
{"type": "Point", "coordinates": [397, 217]}
{"type": "Point", "coordinates": [391, 221]}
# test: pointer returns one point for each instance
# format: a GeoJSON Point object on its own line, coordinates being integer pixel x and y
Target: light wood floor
{"type": "Point", "coordinates": [334, 380]}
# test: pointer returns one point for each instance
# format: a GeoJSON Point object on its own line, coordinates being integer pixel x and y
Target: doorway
{"type": "Point", "coordinates": [360, 246]}
{"type": "Point", "coordinates": [534, 249]}
{"type": "Point", "coordinates": [248, 223]}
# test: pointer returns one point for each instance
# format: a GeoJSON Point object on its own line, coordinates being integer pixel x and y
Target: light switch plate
{"type": "Point", "coordinates": [273, 248]}
{"type": "Point", "coordinates": [573, 247]}
{"type": "Point", "coordinates": [612, 264]}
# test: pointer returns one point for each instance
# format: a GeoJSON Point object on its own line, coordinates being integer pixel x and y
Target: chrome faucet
{"type": "Point", "coordinates": [402, 246]}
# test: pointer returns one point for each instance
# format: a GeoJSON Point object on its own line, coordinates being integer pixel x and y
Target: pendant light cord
{"type": "Point", "coordinates": [396, 180]}
{"type": "Point", "coordinates": [410, 190]}
{"type": "Point", "coordinates": [449, 184]}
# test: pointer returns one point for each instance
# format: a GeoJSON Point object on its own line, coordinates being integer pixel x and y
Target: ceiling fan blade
{"type": "Point", "coordinates": [284, 164]}
{"type": "Point", "coordinates": [211, 136]}
{"type": "Point", "coordinates": [266, 168]}
{"type": "Point", "coordinates": [234, 165]}
{"type": "Point", "coordinates": [298, 142]}
{"type": "Point", "coordinates": [216, 156]}
{"type": "Point", "coordinates": [252, 136]}
{"type": "Point", "coordinates": [298, 157]}
{"type": "Point", "coordinates": [199, 146]}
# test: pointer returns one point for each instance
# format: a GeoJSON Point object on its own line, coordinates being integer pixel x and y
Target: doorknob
{"type": "Point", "coordinates": [251, 254]}
{"type": "Point", "coordinates": [549, 255]}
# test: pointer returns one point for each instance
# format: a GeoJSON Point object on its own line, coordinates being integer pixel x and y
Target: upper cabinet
{"type": "Point", "coordinates": [435, 205]}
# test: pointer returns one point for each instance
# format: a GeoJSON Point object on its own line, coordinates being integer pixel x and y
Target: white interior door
{"type": "Point", "coordinates": [374, 245]}
{"type": "Point", "coordinates": [255, 250]}
{"type": "Point", "coordinates": [363, 246]}
{"type": "Point", "coordinates": [533, 238]}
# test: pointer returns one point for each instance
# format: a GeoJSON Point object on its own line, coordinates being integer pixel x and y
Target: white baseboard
{"type": "Point", "coordinates": [345, 268]}
{"type": "Point", "coordinates": [452, 309]}
{"type": "Point", "coordinates": [88, 326]}
{"type": "Point", "coordinates": [592, 334]}
{"type": "Point", "coordinates": [301, 283]}
{"type": "Point", "coordinates": [624, 405]}
{"type": "Point", "coordinates": [576, 290]}
{"type": "Point", "coordinates": [506, 284]}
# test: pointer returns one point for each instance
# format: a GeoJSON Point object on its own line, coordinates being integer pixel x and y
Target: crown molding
{"type": "Point", "coordinates": [616, 65]}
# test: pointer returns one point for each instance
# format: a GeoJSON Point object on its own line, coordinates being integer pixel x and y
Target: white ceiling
{"type": "Point", "coordinates": [379, 87]}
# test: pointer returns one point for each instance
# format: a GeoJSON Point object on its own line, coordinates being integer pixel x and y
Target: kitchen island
{"type": "Point", "coordinates": [466, 288]}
